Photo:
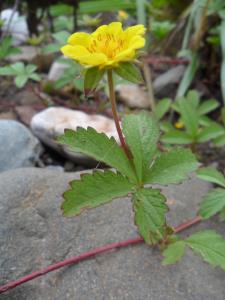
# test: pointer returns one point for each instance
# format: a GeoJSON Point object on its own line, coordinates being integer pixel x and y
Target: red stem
{"type": "Point", "coordinates": [89, 254]}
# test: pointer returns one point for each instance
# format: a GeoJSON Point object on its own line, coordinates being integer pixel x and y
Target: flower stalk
{"type": "Point", "coordinates": [112, 99]}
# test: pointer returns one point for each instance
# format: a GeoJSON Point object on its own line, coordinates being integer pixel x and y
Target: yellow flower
{"type": "Point", "coordinates": [107, 46]}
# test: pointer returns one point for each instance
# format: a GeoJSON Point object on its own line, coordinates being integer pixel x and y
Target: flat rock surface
{"type": "Point", "coordinates": [18, 147]}
{"type": "Point", "coordinates": [34, 234]}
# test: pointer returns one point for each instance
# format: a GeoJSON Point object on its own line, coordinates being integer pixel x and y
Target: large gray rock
{"type": "Point", "coordinates": [18, 147]}
{"type": "Point", "coordinates": [34, 234]}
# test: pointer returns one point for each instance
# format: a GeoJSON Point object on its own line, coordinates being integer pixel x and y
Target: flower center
{"type": "Point", "coordinates": [108, 44]}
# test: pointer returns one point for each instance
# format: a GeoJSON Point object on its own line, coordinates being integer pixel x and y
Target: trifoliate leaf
{"type": "Point", "coordinates": [100, 147]}
{"type": "Point", "coordinates": [129, 72]}
{"type": "Point", "coordinates": [174, 252]}
{"type": "Point", "coordinates": [93, 190]}
{"type": "Point", "coordinates": [171, 167]}
{"type": "Point", "coordinates": [141, 133]}
{"type": "Point", "coordinates": [213, 203]}
{"type": "Point", "coordinates": [210, 245]}
{"type": "Point", "coordinates": [150, 209]}
{"type": "Point", "coordinates": [91, 79]}
{"type": "Point", "coordinates": [211, 175]}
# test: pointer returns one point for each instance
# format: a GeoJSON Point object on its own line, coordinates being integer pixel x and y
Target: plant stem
{"type": "Point", "coordinates": [89, 254]}
{"type": "Point", "coordinates": [112, 99]}
{"type": "Point", "coordinates": [149, 85]}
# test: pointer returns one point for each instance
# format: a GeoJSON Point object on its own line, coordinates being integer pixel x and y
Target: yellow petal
{"type": "Point", "coordinates": [74, 51]}
{"type": "Point", "coordinates": [95, 59]}
{"type": "Point", "coordinates": [137, 42]}
{"type": "Point", "coordinates": [82, 55]}
{"type": "Point", "coordinates": [80, 38]}
{"type": "Point", "coordinates": [100, 30]}
{"type": "Point", "coordinates": [115, 28]}
{"type": "Point", "coordinates": [135, 30]}
{"type": "Point", "coordinates": [125, 55]}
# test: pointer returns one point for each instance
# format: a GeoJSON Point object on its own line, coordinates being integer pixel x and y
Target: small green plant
{"type": "Point", "coordinates": [137, 163]}
{"type": "Point", "coordinates": [195, 125]}
{"type": "Point", "coordinates": [6, 48]}
{"type": "Point", "coordinates": [21, 73]}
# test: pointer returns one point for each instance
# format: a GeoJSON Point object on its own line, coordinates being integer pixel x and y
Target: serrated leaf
{"type": "Point", "coordinates": [174, 252]}
{"type": "Point", "coordinates": [162, 108]}
{"type": "Point", "coordinates": [150, 209]}
{"type": "Point", "coordinates": [171, 167]}
{"type": "Point", "coordinates": [210, 245]}
{"type": "Point", "coordinates": [178, 137]}
{"type": "Point", "coordinates": [208, 106]}
{"type": "Point", "coordinates": [211, 175]}
{"type": "Point", "coordinates": [213, 203]}
{"type": "Point", "coordinates": [93, 190]}
{"type": "Point", "coordinates": [51, 48]}
{"type": "Point", "coordinates": [100, 147]}
{"type": "Point", "coordinates": [129, 72]}
{"type": "Point", "coordinates": [91, 79]}
{"type": "Point", "coordinates": [141, 133]}
{"type": "Point", "coordinates": [193, 98]}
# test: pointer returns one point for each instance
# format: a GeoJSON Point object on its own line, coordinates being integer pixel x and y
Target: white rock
{"type": "Point", "coordinates": [51, 122]}
{"type": "Point", "coordinates": [15, 24]}
{"type": "Point", "coordinates": [133, 95]}
{"type": "Point", "coordinates": [56, 70]}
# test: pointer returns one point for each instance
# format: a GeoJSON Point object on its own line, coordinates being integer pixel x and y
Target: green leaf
{"type": "Point", "coordinates": [193, 98]}
{"type": "Point", "coordinates": [100, 147]}
{"type": "Point", "coordinates": [31, 68]}
{"type": "Point", "coordinates": [174, 252]}
{"type": "Point", "coordinates": [208, 106]}
{"type": "Point", "coordinates": [61, 37]}
{"type": "Point", "coordinates": [19, 68]}
{"type": "Point", "coordinates": [21, 80]}
{"type": "Point", "coordinates": [150, 209]}
{"type": "Point", "coordinates": [141, 134]}
{"type": "Point", "coordinates": [93, 190]}
{"type": "Point", "coordinates": [92, 78]}
{"type": "Point", "coordinates": [35, 77]}
{"type": "Point", "coordinates": [129, 72]}
{"type": "Point", "coordinates": [174, 136]}
{"type": "Point", "coordinates": [213, 203]}
{"type": "Point", "coordinates": [172, 167]}
{"type": "Point", "coordinates": [189, 117]}
{"type": "Point", "coordinates": [7, 71]}
{"type": "Point", "coordinates": [220, 141]}
{"type": "Point", "coordinates": [51, 48]}
{"type": "Point", "coordinates": [210, 245]}
{"type": "Point", "coordinates": [222, 214]}
{"type": "Point", "coordinates": [211, 132]}
{"type": "Point", "coordinates": [162, 108]}
{"type": "Point", "coordinates": [211, 175]}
